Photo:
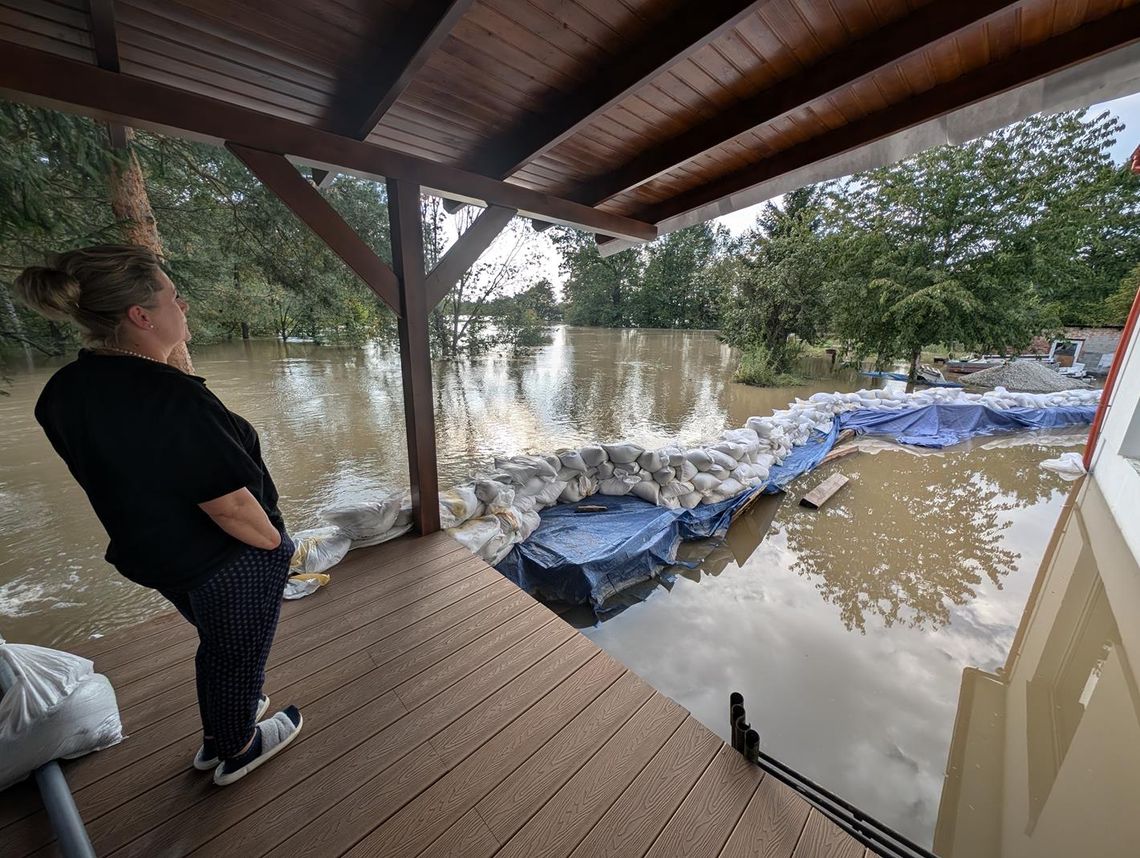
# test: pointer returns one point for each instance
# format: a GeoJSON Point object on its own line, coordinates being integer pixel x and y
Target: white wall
{"type": "Point", "coordinates": [1116, 476]}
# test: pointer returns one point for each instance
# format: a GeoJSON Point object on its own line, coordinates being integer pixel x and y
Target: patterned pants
{"type": "Point", "coordinates": [236, 614]}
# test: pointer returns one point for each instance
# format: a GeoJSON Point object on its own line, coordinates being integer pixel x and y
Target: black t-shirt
{"type": "Point", "coordinates": [148, 443]}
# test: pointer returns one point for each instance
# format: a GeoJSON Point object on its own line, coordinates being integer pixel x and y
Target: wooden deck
{"type": "Point", "coordinates": [446, 713]}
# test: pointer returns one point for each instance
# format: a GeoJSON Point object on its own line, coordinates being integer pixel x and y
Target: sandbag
{"type": "Point", "coordinates": [651, 461]}
{"type": "Point", "coordinates": [676, 489]}
{"type": "Point", "coordinates": [617, 486]}
{"type": "Point", "coordinates": [363, 520]}
{"type": "Point", "coordinates": [58, 707]}
{"type": "Point", "coordinates": [318, 549]}
{"type": "Point", "coordinates": [623, 453]}
{"type": "Point", "coordinates": [458, 504]}
{"type": "Point", "coordinates": [691, 500]}
{"type": "Point", "coordinates": [705, 483]}
{"type": "Point", "coordinates": [550, 493]}
{"type": "Point", "coordinates": [571, 460]}
{"type": "Point", "coordinates": [475, 533]}
{"type": "Point", "coordinates": [605, 470]}
{"type": "Point", "coordinates": [1068, 465]}
{"type": "Point", "coordinates": [700, 458]}
{"type": "Point", "coordinates": [723, 459]}
{"type": "Point", "coordinates": [648, 491]}
{"type": "Point", "coordinates": [593, 455]}
{"type": "Point", "coordinates": [664, 476]}
{"type": "Point", "coordinates": [686, 470]}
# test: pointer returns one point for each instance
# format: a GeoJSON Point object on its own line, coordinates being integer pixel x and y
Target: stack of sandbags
{"type": "Point", "coordinates": [495, 510]}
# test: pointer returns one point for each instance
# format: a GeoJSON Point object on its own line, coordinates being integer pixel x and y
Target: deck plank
{"type": "Point", "coordinates": [513, 801]}
{"type": "Point", "coordinates": [561, 823]}
{"type": "Point", "coordinates": [339, 828]}
{"type": "Point", "coordinates": [291, 786]}
{"type": "Point", "coordinates": [454, 795]}
{"type": "Point", "coordinates": [633, 822]}
{"type": "Point", "coordinates": [467, 838]}
{"type": "Point", "coordinates": [771, 824]}
{"type": "Point", "coordinates": [708, 814]}
{"type": "Point", "coordinates": [822, 838]}
{"type": "Point", "coordinates": [446, 713]}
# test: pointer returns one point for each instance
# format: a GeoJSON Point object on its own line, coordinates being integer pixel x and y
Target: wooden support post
{"type": "Point", "coordinates": [415, 351]}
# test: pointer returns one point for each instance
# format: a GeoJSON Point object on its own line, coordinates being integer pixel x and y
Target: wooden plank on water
{"type": "Point", "coordinates": [822, 493]}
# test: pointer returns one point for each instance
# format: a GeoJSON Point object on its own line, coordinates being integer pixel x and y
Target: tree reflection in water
{"type": "Point", "coordinates": [915, 540]}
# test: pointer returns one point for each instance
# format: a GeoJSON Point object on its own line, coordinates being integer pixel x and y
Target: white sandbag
{"type": "Point", "coordinates": [578, 488]}
{"type": "Point", "coordinates": [1068, 465]}
{"type": "Point", "coordinates": [57, 708]}
{"type": "Point", "coordinates": [648, 491]}
{"type": "Point", "coordinates": [605, 470]}
{"type": "Point", "coordinates": [664, 476]}
{"type": "Point", "coordinates": [318, 549]}
{"type": "Point", "coordinates": [651, 460]}
{"type": "Point", "coordinates": [617, 486]}
{"type": "Point", "coordinates": [690, 500]}
{"type": "Point", "coordinates": [391, 533]}
{"type": "Point", "coordinates": [474, 533]}
{"type": "Point", "coordinates": [363, 520]}
{"type": "Point", "coordinates": [720, 472]}
{"type": "Point", "coordinates": [730, 448]}
{"type": "Point", "coordinates": [525, 503]}
{"type": "Point", "coordinates": [747, 437]}
{"type": "Point", "coordinates": [554, 462]}
{"type": "Point", "coordinates": [731, 487]}
{"type": "Point", "coordinates": [723, 459]}
{"type": "Point", "coordinates": [700, 458]}
{"type": "Point", "coordinates": [519, 472]}
{"type": "Point", "coordinates": [530, 522]}
{"type": "Point", "coordinates": [544, 466]}
{"type": "Point", "coordinates": [676, 489]}
{"type": "Point", "coordinates": [623, 453]}
{"type": "Point", "coordinates": [762, 426]}
{"type": "Point", "coordinates": [550, 493]}
{"type": "Point", "coordinates": [686, 470]}
{"type": "Point", "coordinates": [571, 460]}
{"type": "Point", "coordinates": [533, 486]}
{"type": "Point", "coordinates": [458, 504]}
{"type": "Point", "coordinates": [704, 483]}
{"type": "Point", "coordinates": [672, 456]}
{"type": "Point", "coordinates": [592, 455]}
{"type": "Point", "coordinates": [503, 500]}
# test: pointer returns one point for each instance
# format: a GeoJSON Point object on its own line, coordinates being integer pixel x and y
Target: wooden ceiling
{"type": "Point", "coordinates": [644, 109]}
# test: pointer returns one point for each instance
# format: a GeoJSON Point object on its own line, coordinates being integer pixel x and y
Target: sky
{"type": "Point", "coordinates": [546, 257]}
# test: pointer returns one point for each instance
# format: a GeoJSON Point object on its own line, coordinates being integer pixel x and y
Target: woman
{"type": "Point", "coordinates": [177, 481]}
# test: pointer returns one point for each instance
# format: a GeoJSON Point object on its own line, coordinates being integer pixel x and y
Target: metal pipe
{"type": "Point", "coordinates": [1126, 340]}
{"type": "Point", "coordinates": [736, 718]}
{"type": "Point", "coordinates": [66, 822]}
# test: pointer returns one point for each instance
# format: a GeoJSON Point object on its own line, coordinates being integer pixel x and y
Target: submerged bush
{"type": "Point", "coordinates": [757, 367]}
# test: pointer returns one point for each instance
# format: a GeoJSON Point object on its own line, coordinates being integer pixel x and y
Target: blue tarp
{"type": "Point", "coordinates": [589, 557]}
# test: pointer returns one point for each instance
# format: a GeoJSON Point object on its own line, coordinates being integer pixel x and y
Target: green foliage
{"type": "Point", "coordinates": [672, 291]}
{"type": "Point", "coordinates": [775, 283]}
{"type": "Point", "coordinates": [758, 367]}
{"type": "Point", "coordinates": [1119, 303]}
{"type": "Point", "coordinates": [596, 288]}
{"type": "Point", "coordinates": [984, 244]}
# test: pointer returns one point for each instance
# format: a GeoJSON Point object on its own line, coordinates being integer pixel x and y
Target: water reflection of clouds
{"type": "Point", "coordinates": [867, 714]}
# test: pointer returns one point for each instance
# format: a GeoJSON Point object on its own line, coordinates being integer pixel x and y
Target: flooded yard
{"type": "Point", "coordinates": [848, 629]}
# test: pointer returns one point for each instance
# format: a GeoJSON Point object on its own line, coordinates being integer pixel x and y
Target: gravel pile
{"type": "Point", "coordinates": [1024, 377]}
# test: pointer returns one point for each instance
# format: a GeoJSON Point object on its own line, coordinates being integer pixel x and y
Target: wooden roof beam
{"type": "Point", "coordinates": [365, 97]}
{"type": "Point", "coordinates": [466, 250]}
{"type": "Point", "coordinates": [105, 42]}
{"type": "Point", "coordinates": [49, 80]}
{"type": "Point", "coordinates": [282, 179]}
{"type": "Point", "coordinates": [665, 44]}
{"type": "Point", "coordinates": [831, 74]}
{"type": "Point", "coordinates": [1117, 30]}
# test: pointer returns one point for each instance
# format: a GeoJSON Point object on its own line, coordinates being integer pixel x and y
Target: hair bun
{"type": "Point", "coordinates": [50, 292]}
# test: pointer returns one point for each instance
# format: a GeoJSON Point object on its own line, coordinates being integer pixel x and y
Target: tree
{"type": "Point", "coordinates": [1119, 303]}
{"type": "Point", "coordinates": [776, 283]}
{"type": "Point", "coordinates": [672, 291]}
{"type": "Point", "coordinates": [596, 287]}
{"type": "Point", "coordinates": [984, 244]}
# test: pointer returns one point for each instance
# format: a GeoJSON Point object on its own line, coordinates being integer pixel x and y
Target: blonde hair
{"type": "Point", "coordinates": [92, 287]}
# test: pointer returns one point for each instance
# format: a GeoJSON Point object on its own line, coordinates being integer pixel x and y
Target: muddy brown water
{"type": "Point", "coordinates": [847, 629]}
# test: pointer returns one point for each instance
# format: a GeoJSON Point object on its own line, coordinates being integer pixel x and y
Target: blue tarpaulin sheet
{"type": "Point", "coordinates": [589, 557]}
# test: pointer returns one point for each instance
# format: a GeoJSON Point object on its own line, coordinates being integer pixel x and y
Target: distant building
{"type": "Point", "coordinates": [1094, 347]}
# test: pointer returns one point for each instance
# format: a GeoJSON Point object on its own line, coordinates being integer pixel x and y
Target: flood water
{"type": "Point", "coordinates": [848, 629]}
